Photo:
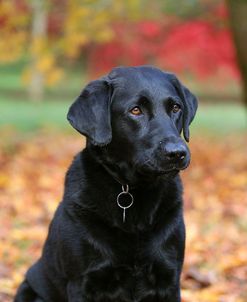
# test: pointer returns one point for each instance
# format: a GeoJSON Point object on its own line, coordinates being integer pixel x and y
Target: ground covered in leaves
{"type": "Point", "coordinates": [31, 185]}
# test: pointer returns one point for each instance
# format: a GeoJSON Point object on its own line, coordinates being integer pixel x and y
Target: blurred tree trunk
{"type": "Point", "coordinates": [38, 34]}
{"type": "Point", "coordinates": [238, 20]}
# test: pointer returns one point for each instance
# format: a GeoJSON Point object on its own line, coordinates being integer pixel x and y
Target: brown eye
{"type": "Point", "coordinates": [136, 111]}
{"type": "Point", "coordinates": [175, 108]}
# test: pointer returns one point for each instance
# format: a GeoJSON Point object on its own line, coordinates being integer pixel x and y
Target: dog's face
{"type": "Point", "coordinates": [138, 114]}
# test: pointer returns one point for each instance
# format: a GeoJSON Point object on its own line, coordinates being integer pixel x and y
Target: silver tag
{"type": "Point", "coordinates": [125, 191]}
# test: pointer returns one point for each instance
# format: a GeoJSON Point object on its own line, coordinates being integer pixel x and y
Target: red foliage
{"type": "Point", "coordinates": [19, 7]}
{"type": "Point", "coordinates": [134, 44]}
{"type": "Point", "coordinates": [56, 18]}
{"type": "Point", "coordinates": [199, 47]}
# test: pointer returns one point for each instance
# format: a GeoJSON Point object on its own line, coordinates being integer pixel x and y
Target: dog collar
{"type": "Point", "coordinates": [124, 199]}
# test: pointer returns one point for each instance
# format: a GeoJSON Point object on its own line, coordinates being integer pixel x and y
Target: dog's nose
{"type": "Point", "coordinates": [175, 152]}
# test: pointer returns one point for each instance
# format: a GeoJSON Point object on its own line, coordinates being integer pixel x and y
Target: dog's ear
{"type": "Point", "coordinates": [90, 113]}
{"type": "Point", "coordinates": [190, 104]}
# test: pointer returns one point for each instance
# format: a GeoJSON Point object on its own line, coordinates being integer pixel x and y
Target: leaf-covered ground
{"type": "Point", "coordinates": [215, 270]}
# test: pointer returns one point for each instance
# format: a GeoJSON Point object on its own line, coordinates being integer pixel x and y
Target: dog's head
{"type": "Point", "coordinates": [137, 114]}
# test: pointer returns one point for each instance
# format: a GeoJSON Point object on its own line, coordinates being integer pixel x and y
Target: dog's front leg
{"type": "Point", "coordinates": [159, 280]}
{"type": "Point", "coordinates": [108, 284]}
{"type": "Point", "coordinates": [74, 291]}
{"type": "Point", "coordinates": [156, 283]}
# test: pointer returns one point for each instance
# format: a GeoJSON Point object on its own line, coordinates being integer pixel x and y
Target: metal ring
{"type": "Point", "coordinates": [125, 193]}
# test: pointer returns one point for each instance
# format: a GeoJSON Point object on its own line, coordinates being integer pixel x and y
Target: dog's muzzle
{"type": "Point", "coordinates": [175, 153]}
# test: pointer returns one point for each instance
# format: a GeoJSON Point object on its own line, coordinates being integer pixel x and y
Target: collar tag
{"type": "Point", "coordinates": [124, 199]}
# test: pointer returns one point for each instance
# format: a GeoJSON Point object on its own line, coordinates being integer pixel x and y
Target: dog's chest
{"type": "Point", "coordinates": [130, 248]}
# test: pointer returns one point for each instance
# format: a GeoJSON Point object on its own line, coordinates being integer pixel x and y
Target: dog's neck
{"type": "Point", "coordinates": [147, 195]}
{"type": "Point", "coordinates": [122, 172]}
{"type": "Point", "coordinates": [114, 171]}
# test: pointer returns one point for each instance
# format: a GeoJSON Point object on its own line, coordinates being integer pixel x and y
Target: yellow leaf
{"type": "Point", "coordinates": [45, 63]}
{"type": "Point", "coordinates": [54, 76]}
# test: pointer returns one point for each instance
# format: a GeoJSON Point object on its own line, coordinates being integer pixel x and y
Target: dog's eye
{"type": "Point", "coordinates": [175, 108]}
{"type": "Point", "coordinates": [136, 111]}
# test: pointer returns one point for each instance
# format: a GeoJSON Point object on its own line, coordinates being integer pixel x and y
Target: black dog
{"type": "Point", "coordinates": [118, 235]}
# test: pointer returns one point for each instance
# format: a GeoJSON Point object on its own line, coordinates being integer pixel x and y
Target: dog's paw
{"type": "Point", "coordinates": [107, 285]}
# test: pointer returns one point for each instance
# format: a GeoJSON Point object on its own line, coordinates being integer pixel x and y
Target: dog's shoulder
{"type": "Point", "coordinates": [75, 178]}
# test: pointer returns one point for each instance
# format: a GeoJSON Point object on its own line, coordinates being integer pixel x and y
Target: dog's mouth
{"type": "Point", "coordinates": [150, 168]}
{"type": "Point", "coordinates": [153, 174]}
{"type": "Point", "coordinates": [157, 172]}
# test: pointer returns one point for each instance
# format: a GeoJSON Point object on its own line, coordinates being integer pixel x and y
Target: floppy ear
{"type": "Point", "coordinates": [90, 113]}
{"type": "Point", "coordinates": [190, 105]}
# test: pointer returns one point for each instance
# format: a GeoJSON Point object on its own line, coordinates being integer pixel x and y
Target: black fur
{"type": "Point", "coordinates": [90, 254]}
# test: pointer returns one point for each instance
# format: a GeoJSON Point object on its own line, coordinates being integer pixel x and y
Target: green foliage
{"type": "Point", "coordinates": [188, 8]}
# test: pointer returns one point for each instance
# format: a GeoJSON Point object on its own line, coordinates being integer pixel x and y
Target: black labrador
{"type": "Point", "coordinates": [118, 234]}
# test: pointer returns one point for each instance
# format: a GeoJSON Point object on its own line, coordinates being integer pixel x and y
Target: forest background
{"type": "Point", "coordinates": [50, 49]}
